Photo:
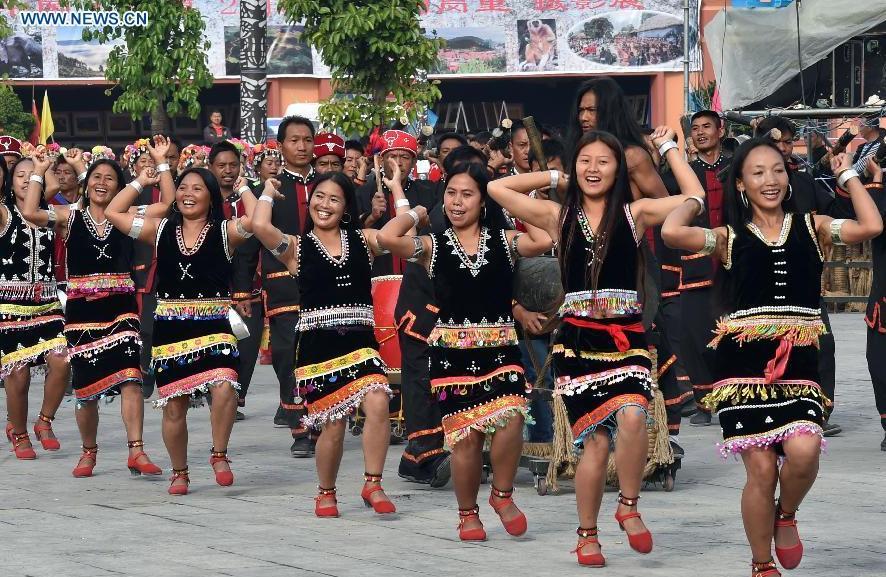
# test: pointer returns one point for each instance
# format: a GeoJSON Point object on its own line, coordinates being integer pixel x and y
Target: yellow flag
{"type": "Point", "coordinates": [46, 126]}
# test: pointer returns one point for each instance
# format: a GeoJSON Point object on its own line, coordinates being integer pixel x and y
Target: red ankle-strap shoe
{"type": "Point", "coordinates": [24, 453]}
{"type": "Point", "coordinates": [325, 510]}
{"type": "Point", "coordinates": [44, 425]}
{"type": "Point", "coordinates": [588, 537]}
{"type": "Point", "coordinates": [373, 485]}
{"type": "Point", "coordinates": [765, 569]}
{"type": "Point", "coordinates": [90, 456]}
{"type": "Point", "coordinates": [223, 478]}
{"type": "Point", "coordinates": [499, 500]}
{"type": "Point", "coordinates": [640, 542]}
{"type": "Point", "coordinates": [180, 488]}
{"type": "Point", "coordinates": [789, 557]}
{"type": "Point", "coordinates": [475, 534]}
{"type": "Point", "coordinates": [137, 468]}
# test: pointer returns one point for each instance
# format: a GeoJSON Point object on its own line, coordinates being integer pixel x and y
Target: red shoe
{"type": "Point", "coordinates": [789, 557]}
{"type": "Point", "coordinates": [373, 485]}
{"type": "Point", "coordinates": [325, 510]}
{"type": "Point", "coordinates": [49, 443]}
{"type": "Point", "coordinates": [586, 537]}
{"type": "Point", "coordinates": [517, 525]}
{"type": "Point", "coordinates": [180, 489]}
{"type": "Point", "coordinates": [766, 569]}
{"type": "Point", "coordinates": [223, 478]}
{"type": "Point", "coordinates": [90, 455]}
{"type": "Point", "coordinates": [137, 468]}
{"type": "Point", "coordinates": [475, 534]}
{"type": "Point", "coordinates": [640, 542]}
{"type": "Point", "coordinates": [18, 439]}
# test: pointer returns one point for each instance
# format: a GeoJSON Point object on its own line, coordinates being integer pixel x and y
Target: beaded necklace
{"type": "Point", "coordinates": [782, 237]}
{"type": "Point", "coordinates": [334, 261]}
{"type": "Point", "coordinates": [200, 238]}
{"type": "Point", "coordinates": [92, 226]}
{"type": "Point", "coordinates": [595, 241]}
{"type": "Point", "coordinates": [473, 264]}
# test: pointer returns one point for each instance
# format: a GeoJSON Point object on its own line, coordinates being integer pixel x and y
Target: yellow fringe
{"type": "Point", "coordinates": [741, 392]}
{"type": "Point", "coordinates": [800, 331]}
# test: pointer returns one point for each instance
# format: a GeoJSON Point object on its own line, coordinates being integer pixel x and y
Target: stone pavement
{"type": "Point", "coordinates": [52, 525]}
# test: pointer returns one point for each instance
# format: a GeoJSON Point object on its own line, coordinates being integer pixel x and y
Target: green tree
{"type": "Point", "coordinates": [13, 119]}
{"type": "Point", "coordinates": [374, 50]}
{"type": "Point", "coordinates": [161, 69]}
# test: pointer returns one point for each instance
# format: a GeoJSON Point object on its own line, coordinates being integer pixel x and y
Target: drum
{"type": "Point", "coordinates": [537, 284]}
{"type": "Point", "coordinates": [385, 290]}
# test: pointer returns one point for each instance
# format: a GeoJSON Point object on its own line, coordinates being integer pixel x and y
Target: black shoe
{"type": "Point", "coordinates": [303, 447]}
{"type": "Point", "coordinates": [435, 471]}
{"type": "Point", "coordinates": [239, 416]}
{"type": "Point", "coordinates": [883, 444]}
{"type": "Point", "coordinates": [280, 418]}
{"type": "Point", "coordinates": [700, 419]}
{"type": "Point", "coordinates": [677, 450]}
{"type": "Point", "coordinates": [442, 471]}
{"type": "Point", "coordinates": [831, 429]}
{"type": "Point", "coordinates": [688, 408]}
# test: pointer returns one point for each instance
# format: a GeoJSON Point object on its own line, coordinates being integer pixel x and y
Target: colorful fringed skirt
{"type": "Point", "coordinates": [768, 386]}
{"type": "Point", "coordinates": [31, 325]}
{"type": "Point", "coordinates": [194, 348]}
{"type": "Point", "coordinates": [102, 329]}
{"type": "Point", "coordinates": [334, 371]}
{"type": "Point", "coordinates": [477, 378]}
{"type": "Point", "coordinates": [600, 367]}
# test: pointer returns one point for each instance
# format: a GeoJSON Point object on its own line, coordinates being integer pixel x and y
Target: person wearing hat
{"type": "Point", "coordinates": [11, 149]}
{"type": "Point", "coordinates": [329, 152]}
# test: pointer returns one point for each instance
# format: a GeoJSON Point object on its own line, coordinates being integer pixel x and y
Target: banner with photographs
{"type": "Point", "coordinates": [482, 37]}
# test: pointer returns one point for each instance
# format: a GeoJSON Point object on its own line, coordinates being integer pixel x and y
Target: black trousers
{"type": "Point", "coordinates": [876, 355]}
{"type": "Point", "coordinates": [696, 331]}
{"type": "Point", "coordinates": [827, 364]}
{"type": "Point", "coordinates": [249, 348]}
{"type": "Point", "coordinates": [148, 303]}
{"type": "Point", "coordinates": [282, 339]}
{"type": "Point", "coordinates": [672, 379]}
{"type": "Point", "coordinates": [423, 421]}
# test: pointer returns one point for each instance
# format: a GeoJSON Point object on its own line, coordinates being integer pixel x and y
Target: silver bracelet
{"type": "Point", "coordinates": [36, 178]}
{"type": "Point", "coordinates": [137, 224]}
{"type": "Point", "coordinates": [555, 179]}
{"type": "Point", "coordinates": [845, 177]}
{"type": "Point", "coordinates": [51, 216]}
{"type": "Point", "coordinates": [514, 242]}
{"type": "Point", "coordinates": [381, 249]}
{"type": "Point", "coordinates": [266, 198]}
{"type": "Point", "coordinates": [414, 216]}
{"type": "Point", "coordinates": [700, 202]}
{"type": "Point", "coordinates": [242, 231]}
{"type": "Point", "coordinates": [837, 232]}
{"type": "Point", "coordinates": [137, 186]}
{"type": "Point", "coordinates": [419, 249]}
{"type": "Point", "coordinates": [665, 147]}
{"type": "Point", "coordinates": [710, 242]}
{"type": "Point", "coordinates": [163, 167]}
{"type": "Point", "coordinates": [81, 177]}
{"type": "Point", "coordinates": [402, 203]}
{"type": "Point", "coordinates": [244, 189]}
{"type": "Point", "coordinates": [281, 248]}
{"type": "Point", "coordinates": [141, 210]}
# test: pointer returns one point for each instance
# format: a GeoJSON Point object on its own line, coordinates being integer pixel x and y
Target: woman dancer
{"type": "Point", "coordinates": [337, 364]}
{"type": "Point", "coordinates": [600, 359]}
{"type": "Point", "coordinates": [194, 350]}
{"type": "Point", "coordinates": [101, 316]}
{"type": "Point", "coordinates": [475, 362]}
{"type": "Point", "coordinates": [31, 320]}
{"type": "Point", "coordinates": [767, 394]}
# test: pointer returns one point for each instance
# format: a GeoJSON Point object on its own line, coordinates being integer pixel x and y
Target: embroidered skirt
{"type": "Point", "coordinates": [757, 410]}
{"type": "Point", "coordinates": [478, 388]}
{"type": "Point", "coordinates": [29, 330]}
{"type": "Point", "coordinates": [600, 367]}
{"type": "Point", "coordinates": [190, 356]}
{"type": "Point", "coordinates": [103, 343]}
{"type": "Point", "coordinates": [334, 371]}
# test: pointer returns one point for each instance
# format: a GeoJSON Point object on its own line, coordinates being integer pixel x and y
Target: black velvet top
{"type": "Point", "coordinates": [201, 272]}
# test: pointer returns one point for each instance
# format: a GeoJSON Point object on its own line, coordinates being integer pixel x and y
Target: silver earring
{"type": "Point", "coordinates": [790, 192]}
{"type": "Point", "coordinates": [744, 198]}
{"type": "Point", "coordinates": [483, 216]}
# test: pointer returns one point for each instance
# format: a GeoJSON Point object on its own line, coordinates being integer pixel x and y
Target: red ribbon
{"type": "Point", "coordinates": [617, 332]}
{"type": "Point", "coordinates": [776, 367]}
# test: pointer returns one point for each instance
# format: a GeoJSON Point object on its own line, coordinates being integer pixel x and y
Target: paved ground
{"type": "Point", "coordinates": [56, 526]}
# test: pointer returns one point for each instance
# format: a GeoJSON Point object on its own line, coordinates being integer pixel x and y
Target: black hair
{"type": "Point", "coordinates": [737, 214]}
{"type": "Point", "coordinates": [220, 147]}
{"type": "Point", "coordinates": [9, 194]}
{"type": "Point", "coordinates": [782, 124]}
{"type": "Point", "coordinates": [479, 175]}
{"type": "Point", "coordinates": [284, 124]}
{"type": "Point", "coordinates": [463, 155]}
{"type": "Point", "coordinates": [707, 114]}
{"type": "Point", "coordinates": [6, 182]}
{"type": "Point", "coordinates": [517, 125]}
{"type": "Point", "coordinates": [354, 145]}
{"type": "Point", "coordinates": [616, 198]}
{"type": "Point", "coordinates": [121, 177]}
{"type": "Point", "coordinates": [214, 110]}
{"type": "Point", "coordinates": [349, 191]}
{"type": "Point", "coordinates": [552, 148]}
{"type": "Point", "coordinates": [216, 201]}
{"type": "Point", "coordinates": [462, 141]}
{"type": "Point", "coordinates": [614, 115]}
{"type": "Point", "coordinates": [481, 137]}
